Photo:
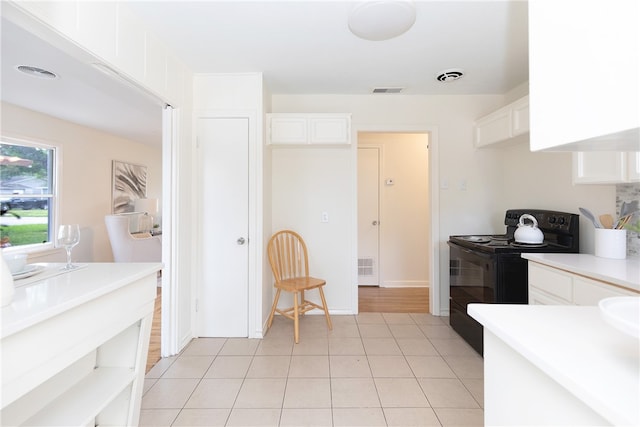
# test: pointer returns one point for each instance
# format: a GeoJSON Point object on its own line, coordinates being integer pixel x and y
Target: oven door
{"type": "Point", "coordinates": [472, 275]}
{"type": "Point", "coordinates": [472, 279]}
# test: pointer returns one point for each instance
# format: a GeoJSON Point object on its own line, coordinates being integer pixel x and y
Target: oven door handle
{"type": "Point", "coordinates": [471, 252]}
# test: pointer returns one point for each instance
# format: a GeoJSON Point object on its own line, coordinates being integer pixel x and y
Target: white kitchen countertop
{"type": "Point", "coordinates": [620, 272]}
{"type": "Point", "coordinates": [39, 300]}
{"type": "Point", "coordinates": [573, 345]}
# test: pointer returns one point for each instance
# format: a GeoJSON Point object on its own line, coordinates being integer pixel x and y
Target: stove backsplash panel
{"type": "Point", "coordinates": [627, 193]}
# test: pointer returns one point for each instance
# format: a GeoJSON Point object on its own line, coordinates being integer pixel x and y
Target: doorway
{"type": "Point", "coordinates": [368, 213]}
{"type": "Point", "coordinates": [222, 305]}
{"type": "Point", "coordinates": [401, 254]}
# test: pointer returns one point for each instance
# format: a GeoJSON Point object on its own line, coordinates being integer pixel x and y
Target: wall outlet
{"type": "Point", "coordinates": [324, 217]}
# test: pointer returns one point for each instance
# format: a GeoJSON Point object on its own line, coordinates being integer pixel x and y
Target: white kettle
{"type": "Point", "coordinates": [528, 233]}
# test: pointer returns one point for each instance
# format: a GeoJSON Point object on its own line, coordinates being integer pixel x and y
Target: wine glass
{"type": "Point", "coordinates": [69, 236]}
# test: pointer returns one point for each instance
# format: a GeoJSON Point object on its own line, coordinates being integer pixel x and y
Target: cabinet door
{"type": "Point", "coordinates": [520, 116]}
{"type": "Point", "coordinates": [599, 167]}
{"type": "Point", "coordinates": [551, 282]}
{"type": "Point", "coordinates": [539, 298]}
{"type": "Point", "coordinates": [493, 128]}
{"type": "Point", "coordinates": [562, 39]}
{"type": "Point", "coordinates": [633, 166]}
{"type": "Point", "coordinates": [289, 129]}
{"type": "Point", "coordinates": [590, 292]}
{"type": "Point", "coordinates": [329, 130]}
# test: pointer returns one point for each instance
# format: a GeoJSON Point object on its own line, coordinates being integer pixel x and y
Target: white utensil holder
{"type": "Point", "coordinates": [611, 243]}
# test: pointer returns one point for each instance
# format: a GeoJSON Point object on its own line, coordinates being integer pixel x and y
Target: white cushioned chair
{"type": "Point", "coordinates": [126, 247]}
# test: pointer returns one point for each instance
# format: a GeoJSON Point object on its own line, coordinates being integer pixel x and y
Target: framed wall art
{"type": "Point", "coordinates": [129, 184]}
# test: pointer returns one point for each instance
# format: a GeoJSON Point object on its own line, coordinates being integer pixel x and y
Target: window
{"type": "Point", "coordinates": [27, 193]}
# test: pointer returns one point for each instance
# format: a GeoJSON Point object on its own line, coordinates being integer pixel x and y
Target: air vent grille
{"type": "Point", "coordinates": [450, 75]}
{"type": "Point", "coordinates": [365, 266]}
{"type": "Point", "coordinates": [388, 90]}
{"type": "Point", "coordinates": [36, 72]}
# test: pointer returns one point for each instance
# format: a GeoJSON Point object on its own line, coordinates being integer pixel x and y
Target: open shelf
{"type": "Point", "coordinates": [79, 405]}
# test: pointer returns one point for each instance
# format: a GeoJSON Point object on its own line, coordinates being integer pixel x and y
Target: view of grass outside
{"type": "Point", "coordinates": [26, 193]}
{"type": "Point", "coordinates": [34, 230]}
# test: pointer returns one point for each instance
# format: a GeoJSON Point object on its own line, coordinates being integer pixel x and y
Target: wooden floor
{"type": "Point", "coordinates": [154, 343]}
{"type": "Point", "coordinates": [370, 299]}
{"type": "Point", "coordinates": [393, 300]}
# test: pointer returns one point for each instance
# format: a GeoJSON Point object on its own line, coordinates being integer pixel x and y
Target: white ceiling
{"type": "Point", "coordinates": [301, 47]}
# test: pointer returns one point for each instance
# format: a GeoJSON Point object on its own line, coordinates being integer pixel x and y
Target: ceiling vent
{"type": "Point", "coordinates": [388, 89]}
{"type": "Point", "coordinates": [450, 75]}
{"type": "Point", "coordinates": [37, 72]}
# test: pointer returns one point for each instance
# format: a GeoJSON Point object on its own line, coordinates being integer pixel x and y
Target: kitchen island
{"type": "Point", "coordinates": [557, 365]}
{"type": "Point", "coordinates": [74, 346]}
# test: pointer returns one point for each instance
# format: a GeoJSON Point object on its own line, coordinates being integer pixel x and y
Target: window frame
{"type": "Point", "coordinates": [53, 205]}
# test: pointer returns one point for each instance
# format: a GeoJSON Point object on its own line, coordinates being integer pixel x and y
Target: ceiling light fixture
{"type": "Point", "coordinates": [450, 75]}
{"type": "Point", "coordinates": [378, 20]}
{"type": "Point", "coordinates": [36, 72]}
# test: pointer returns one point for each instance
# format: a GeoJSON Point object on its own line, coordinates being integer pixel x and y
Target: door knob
{"type": "Point", "coordinates": [240, 241]}
{"type": "Point", "coordinates": [374, 223]}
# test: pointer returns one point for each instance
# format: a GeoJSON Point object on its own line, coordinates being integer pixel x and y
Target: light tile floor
{"type": "Point", "coordinates": [373, 369]}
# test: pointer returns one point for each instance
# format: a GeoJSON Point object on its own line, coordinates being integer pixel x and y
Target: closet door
{"type": "Point", "coordinates": [222, 304]}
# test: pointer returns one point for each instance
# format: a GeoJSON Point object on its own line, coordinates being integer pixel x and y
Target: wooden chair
{"type": "Point", "coordinates": [290, 265]}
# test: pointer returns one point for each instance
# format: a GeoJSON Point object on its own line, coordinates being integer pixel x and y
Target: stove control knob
{"type": "Point", "coordinates": [561, 220]}
{"type": "Point", "coordinates": [552, 220]}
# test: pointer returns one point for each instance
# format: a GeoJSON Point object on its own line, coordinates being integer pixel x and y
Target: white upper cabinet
{"type": "Point", "coordinates": [305, 129]}
{"type": "Point", "coordinates": [605, 167]}
{"type": "Point", "coordinates": [583, 75]}
{"type": "Point", "coordinates": [504, 124]}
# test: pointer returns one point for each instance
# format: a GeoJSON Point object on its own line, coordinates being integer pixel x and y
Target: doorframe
{"type": "Point", "coordinates": [255, 240]}
{"type": "Point", "coordinates": [434, 207]}
{"type": "Point", "coordinates": [380, 148]}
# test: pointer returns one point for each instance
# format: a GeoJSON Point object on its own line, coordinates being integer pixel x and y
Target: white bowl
{"type": "Point", "coordinates": [15, 262]}
{"type": "Point", "coordinates": [623, 313]}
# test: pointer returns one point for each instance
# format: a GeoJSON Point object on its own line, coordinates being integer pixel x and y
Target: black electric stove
{"type": "Point", "coordinates": [490, 269]}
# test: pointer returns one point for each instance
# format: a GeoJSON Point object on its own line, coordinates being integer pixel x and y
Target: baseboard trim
{"type": "Point", "coordinates": [405, 284]}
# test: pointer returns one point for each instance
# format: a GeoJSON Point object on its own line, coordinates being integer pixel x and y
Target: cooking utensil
{"type": "Point", "coordinates": [623, 221]}
{"type": "Point", "coordinates": [528, 233]}
{"type": "Point", "coordinates": [606, 220]}
{"type": "Point", "coordinates": [587, 213]}
{"type": "Point", "coordinates": [629, 207]}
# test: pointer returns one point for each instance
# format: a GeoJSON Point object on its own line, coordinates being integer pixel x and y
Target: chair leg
{"type": "Point", "coordinates": [273, 308]}
{"type": "Point", "coordinates": [296, 331]}
{"type": "Point", "coordinates": [326, 309]}
{"type": "Point", "coordinates": [302, 299]}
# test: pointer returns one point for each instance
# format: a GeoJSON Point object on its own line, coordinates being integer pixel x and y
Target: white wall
{"type": "Point", "coordinates": [404, 207]}
{"type": "Point", "coordinates": [86, 157]}
{"type": "Point", "coordinates": [306, 182]}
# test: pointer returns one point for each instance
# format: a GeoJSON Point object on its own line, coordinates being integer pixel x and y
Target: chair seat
{"type": "Point", "coordinates": [298, 284]}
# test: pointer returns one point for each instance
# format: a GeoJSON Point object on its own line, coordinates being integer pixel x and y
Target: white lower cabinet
{"type": "Point", "coordinates": [552, 286]}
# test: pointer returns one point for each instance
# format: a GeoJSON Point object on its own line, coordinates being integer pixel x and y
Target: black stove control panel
{"type": "Point", "coordinates": [559, 222]}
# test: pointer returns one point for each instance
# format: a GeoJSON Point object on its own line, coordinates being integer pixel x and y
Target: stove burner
{"type": "Point", "coordinates": [477, 239]}
{"type": "Point", "coordinates": [528, 245]}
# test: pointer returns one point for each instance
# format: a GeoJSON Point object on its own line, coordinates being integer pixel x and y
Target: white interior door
{"type": "Point", "coordinates": [368, 216]}
{"type": "Point", "coordinates": [222, 306]}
